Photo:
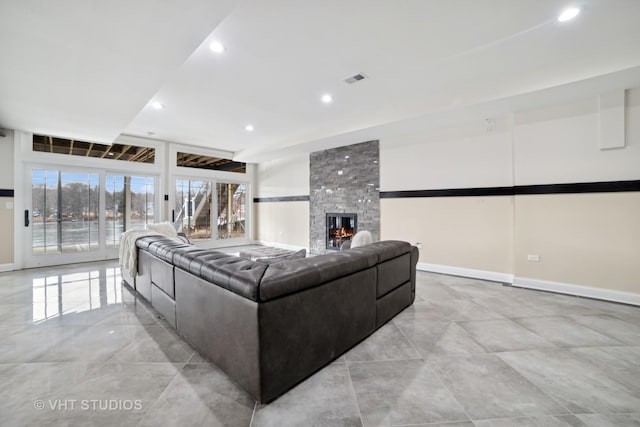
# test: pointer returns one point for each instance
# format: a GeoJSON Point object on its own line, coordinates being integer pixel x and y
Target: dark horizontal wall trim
{"type": "Point", "coordinates": [579, 187]}
{"type": "Point", "coordinates": [6, 193]}
{"type": "Point", "coordinates": [451, 192]}
{"type": "Point", "coordinates": [281, 199]}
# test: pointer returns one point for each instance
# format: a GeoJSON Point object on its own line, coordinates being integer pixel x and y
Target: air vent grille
{"type": "Point", "coordinates": [356, 78]}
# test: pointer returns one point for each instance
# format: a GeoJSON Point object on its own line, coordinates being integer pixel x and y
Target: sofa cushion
{"type": "Point", "coordinates": [235, 274]}
{"type": "Point", "coordinates": [182, 257]}
{"type": "Point", "coordinates": [388, 249]}
{"type": "Point", "coordinates": [284, 278]}
{"type": "Point", "coordinates": [165, 250]}
{"type": "Point", "coordinates": [200, 259]}
{"type": "Point", "coordinates": [144, 242]}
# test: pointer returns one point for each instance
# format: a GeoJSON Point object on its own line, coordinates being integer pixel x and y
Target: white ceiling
{"type": "Point", "coordinates": [93, 72]}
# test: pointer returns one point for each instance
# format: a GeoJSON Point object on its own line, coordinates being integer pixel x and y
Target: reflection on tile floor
{"type": "Point", "coordinates": [78, 348]}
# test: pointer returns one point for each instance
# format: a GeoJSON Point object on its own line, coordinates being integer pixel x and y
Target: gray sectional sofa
{"type": "Point", "coordinates": [270, 326]}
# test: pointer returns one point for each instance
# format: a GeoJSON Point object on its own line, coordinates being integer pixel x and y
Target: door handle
{"type": "Point", "coordinates": [173, 215]}
{"type": "Point", "coordinates": [26, 217]}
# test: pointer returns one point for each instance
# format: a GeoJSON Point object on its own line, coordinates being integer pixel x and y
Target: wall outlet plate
{"type": "Point", "coordinates": [533, 258]}
{"type": "Point", "coordinates": [418, 245]}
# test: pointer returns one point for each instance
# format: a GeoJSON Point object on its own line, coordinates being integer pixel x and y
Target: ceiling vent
{"type": "Point", "coordinates": [353, 79]}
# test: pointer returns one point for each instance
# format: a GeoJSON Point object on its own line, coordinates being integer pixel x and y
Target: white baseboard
{"type": "Point", "coordinates": [493, 276]}
{"type": "Point", "coordinates": [584, 291]}
{"type": "Point", "coordinates": [7, 267]}
{"type": "Point", "coordinates": [279, 245]}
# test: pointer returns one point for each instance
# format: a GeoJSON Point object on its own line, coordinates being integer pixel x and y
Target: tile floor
{"type": "Point", "coordinates": [467, 353]}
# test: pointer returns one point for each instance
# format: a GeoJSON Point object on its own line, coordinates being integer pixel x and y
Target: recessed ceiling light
{"type": "Point", "coordinates": [249, 128]}
{"type": "Point", "coordinates": [157, 105]}
{"type": "Point", "coordinates": [217, 47]}
{"type": "Point", "coordinates": [568, 14]}
{"type": "Point", "coordinates": [326, 98]}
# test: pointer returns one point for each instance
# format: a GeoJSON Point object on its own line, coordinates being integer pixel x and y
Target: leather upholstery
{"type": "Point", "coordinates": [235, 274]}
{"type": "Point", "coordinates": [271, 326]}
{"type": "Point", "coordinates": [393, 273]}
{"type": "Point", "coordinates": [162, 276]}
{"type": "Point", "coordinates": [302, 333]}
{"type": "Point", "coordinates": [222, 326]}
{"type": "Point", "coordinates": [296, 275]}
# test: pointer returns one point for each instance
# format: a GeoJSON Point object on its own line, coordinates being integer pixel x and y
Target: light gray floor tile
{"type": "Point", "coordinates": [611, 420]}
{"type": "Point", "coordinates": [473, 289]}
{"type": "Point", "coordinates": [447, 311]}
{"type": "Point", "coordinates": [511, 307]}
{"type": "Point", "coordinates": [564, 332]}
{"type": "Point", "coordinates": [606, 324]}
{"type": "Point", "coordinates": [325, 399]}
{"type": "Point", "coordinates": [629, 313]}
{"type": "Point", "coordinates": [587, 379]}
{"type": "Point", "coordinates": [428, 288]}
{"type": "Point", "coordinates": [622, 363]}
{"type": "Point", "coordinates": [4, 367]}
{"type": "Point", "coordinates": [387, 343]}
{"type": "Point", "coordinates": [579, 385]}
{"type": "Point", "coordinates": [434, 339]}
{"type": "Point", "coordinates": [550, 304]}
{"type": "Point", "coordinates": [549, 421]}
{"type": "Point", "coordinates": [155, 344]}
{"type": "Point", "coordinates": [402, 392]}
{"type": "Point", "coordinates": [489, 388]}
{"type": "Point", "coordinates": [27, 343]}
{"type": "Point", "coordinates": [503, 335]}
{"type": "Point", "coordinates": [91, 344]}
{"type": "Point", "coordinates": [65, 387]}
{"type": "Point", "coordinates": [197, 358]}
{"type": "Point", "coordinates": [200, 395]}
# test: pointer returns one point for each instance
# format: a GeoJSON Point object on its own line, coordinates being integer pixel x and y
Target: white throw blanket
{"type": "Point", "coordinates": [128, 250]}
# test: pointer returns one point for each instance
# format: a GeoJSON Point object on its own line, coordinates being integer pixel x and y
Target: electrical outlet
{"type": "Point", "coordinates": [418, 245]}
{"type": "Point", "coordinates": [533, 258]}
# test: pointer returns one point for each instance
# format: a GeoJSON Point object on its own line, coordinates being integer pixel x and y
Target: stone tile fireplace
{"type": "Point", "coordinates": [345, 184]}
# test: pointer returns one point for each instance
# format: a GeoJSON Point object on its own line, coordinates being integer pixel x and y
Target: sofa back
{"type": "Point", "coordinates": [263, 282]}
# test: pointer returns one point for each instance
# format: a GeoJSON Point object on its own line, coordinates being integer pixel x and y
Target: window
{"type": "Point", "coordinates": [194, 204]}
{"type": "Point", "coordinates": [192, 213]}
{"type": "Point", "coordinates": [231, 210]}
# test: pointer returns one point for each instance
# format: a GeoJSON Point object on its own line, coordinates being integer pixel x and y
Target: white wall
{"type": "Point", "coordinates": [283, 177]}
{"type": "Point", "coordinates": [559, 144]}
{"type": "Point", "coordinates": [422, 161]}
{"type": "Point", "coordinates": [282, 223]}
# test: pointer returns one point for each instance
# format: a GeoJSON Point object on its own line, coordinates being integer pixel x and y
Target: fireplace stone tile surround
{"type": "Point", "coordinates": [344, 180]}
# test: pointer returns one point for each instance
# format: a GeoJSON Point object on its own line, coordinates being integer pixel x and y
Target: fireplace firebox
{"type": "Point", "coordinates": [340, 228]}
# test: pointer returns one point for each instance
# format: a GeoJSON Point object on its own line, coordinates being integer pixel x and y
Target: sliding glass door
{"type": "Point", "coordinates": [130, 205]}
{"type": "Point", "coordinates": [64, 211]}
{"type": "Point", "coordinates": [77, 215]}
